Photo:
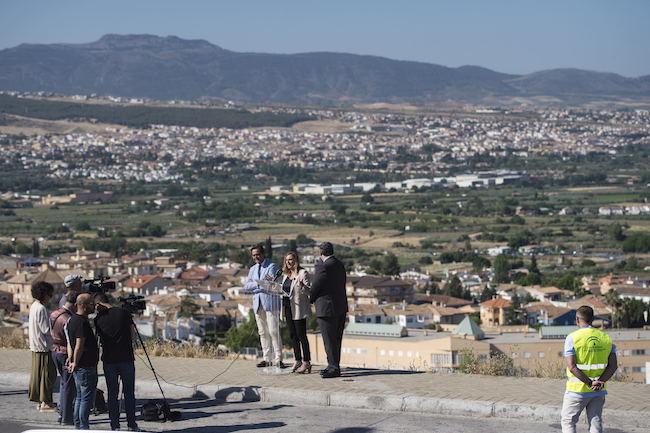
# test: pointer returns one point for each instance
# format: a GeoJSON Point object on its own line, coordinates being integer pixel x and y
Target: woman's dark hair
{"type": "Point", "coordinates": [41, 290]}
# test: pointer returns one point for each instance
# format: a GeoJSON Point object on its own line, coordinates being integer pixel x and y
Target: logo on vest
{"type": "Point", "coordinates": [594, 344]}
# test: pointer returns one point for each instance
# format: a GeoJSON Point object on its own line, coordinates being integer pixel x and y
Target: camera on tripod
{"type": "Point", "coordinates": [134, 304]}
{"type": "Point", "coordinates": [97, 285]}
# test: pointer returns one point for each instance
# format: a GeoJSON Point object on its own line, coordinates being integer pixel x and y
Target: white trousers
{"type": "Point", "coordinates": [572, 408]}
{"type": "Point", "coordinates": [268, 327]}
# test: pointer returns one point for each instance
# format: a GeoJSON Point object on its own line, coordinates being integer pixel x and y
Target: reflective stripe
{"type": "Point", "coordinates": [591, 366]}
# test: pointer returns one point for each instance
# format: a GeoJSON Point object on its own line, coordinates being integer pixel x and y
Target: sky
{"type": "Point", "coordinates": [513, 36]}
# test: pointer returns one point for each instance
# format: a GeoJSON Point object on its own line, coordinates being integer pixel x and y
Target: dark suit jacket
{"type": "Point", "coordinates": [328, 288]}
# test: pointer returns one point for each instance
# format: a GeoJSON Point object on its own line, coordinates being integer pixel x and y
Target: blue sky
{"type": "Point", "coordinates": [506, 35]}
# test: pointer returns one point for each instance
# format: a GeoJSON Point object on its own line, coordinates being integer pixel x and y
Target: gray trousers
{"type": "Point", "coordinates": [572, 408]}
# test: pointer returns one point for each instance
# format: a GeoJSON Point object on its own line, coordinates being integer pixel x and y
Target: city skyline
{"type": "Point", "coordinates": [511, 37]}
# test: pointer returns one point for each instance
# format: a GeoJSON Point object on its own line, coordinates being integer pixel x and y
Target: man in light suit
{"type": "Point", "coordinates": [266, 306]}
{"type": "Point", "coordinates": [328, 295]}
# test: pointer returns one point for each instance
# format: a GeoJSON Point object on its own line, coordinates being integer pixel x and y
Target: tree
{"type": "Point", "coordinates": [612, 299]}
{"type": "Point", "coordinates": [534, 276]}
{"type": "Point", "coordinates": [569, 281]}
{"type": "Point", "coordinates": [501, 268]}
{"type": "Point", "coordinates": [632, 313]}
{"type": "Point", "coordinates": [292, 245]}
{"type": "Point", "coordinates": [487, 293]}
{"type": "Point", "coordinates": [244, 335]}
{"type": "Point", "coordinates": [241, 256]}
{"type": "Point", "coordinates": [367, 198]}
{"type": "Point", "coordinates": [453, 287]}
{"type": "Point", "coordinates": [268, 248]}
{"type": "Point", "coordinates": [188, 307]}
{"type": "Point", "coordinates": [514, 313]}
{"type": "Point", "coordinates": [615, 231]}
{"type": "Point", "coordinates": [390, 265]}
{"type": "Point", "coordinates": [36, 250]}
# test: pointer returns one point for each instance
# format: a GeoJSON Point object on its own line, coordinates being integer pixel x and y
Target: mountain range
{"type": "Point", "coordinates": [174, 68]}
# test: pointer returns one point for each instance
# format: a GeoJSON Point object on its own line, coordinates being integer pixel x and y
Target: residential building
{"type": "Point", "coordinates": [493, 311]}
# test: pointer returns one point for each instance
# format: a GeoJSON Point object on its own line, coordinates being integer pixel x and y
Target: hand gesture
{"type": "Point", "coordinates": [597, 385]}
{"type": "Point", "coordinates": [72, 367]}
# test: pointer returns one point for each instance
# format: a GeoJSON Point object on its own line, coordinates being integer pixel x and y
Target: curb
{"type": "Point", "coordinates": [227, 393]}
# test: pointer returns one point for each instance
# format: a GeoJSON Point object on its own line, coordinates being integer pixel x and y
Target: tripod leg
{"type": "Point", "coordinates": [153, 370]}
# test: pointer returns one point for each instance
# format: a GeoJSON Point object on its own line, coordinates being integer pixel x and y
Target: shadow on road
{"type": "Point", "coordinates": [190, 407]}
{"type": "Point", "coordinates": [359, 372]}
{"type": "Point", "coordinates": [14, 392]}
{"type": "Point", "coordinates": [353, 430]}
{"type": "Point", "coordinates": [229, 428]}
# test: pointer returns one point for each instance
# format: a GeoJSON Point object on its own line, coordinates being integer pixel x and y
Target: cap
{"type": "Point", "coordinates": [69, 280]}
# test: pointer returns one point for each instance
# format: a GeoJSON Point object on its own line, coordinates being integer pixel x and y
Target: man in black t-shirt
{"type": "Point", "coordinates": [115, 329]}
{"type": "Point", "coordinates": [84, 355]}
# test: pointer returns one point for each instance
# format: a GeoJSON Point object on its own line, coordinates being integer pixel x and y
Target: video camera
{"type": "Point", "coordinates": [97, 285]}
{"type": "Point", "coordinates": [134, 304]}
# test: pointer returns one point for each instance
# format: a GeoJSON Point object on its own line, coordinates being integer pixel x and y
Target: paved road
{"type": "Point", "coordinates": [206, 416]}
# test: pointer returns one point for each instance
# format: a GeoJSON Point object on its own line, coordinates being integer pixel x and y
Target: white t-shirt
{"type": "Point", "coordinates": [40, 333]}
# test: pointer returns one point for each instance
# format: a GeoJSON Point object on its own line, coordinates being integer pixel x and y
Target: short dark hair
{"type": "Point", "coordinates": [72, 297]}
{"type": "Point", "coordinates": [585, 313]}
{"type": "Point", "coordinates": [326, 249]}
{"type": "Point", "coordinates": [102, 297]}
{"type": "Point", "coordinates": [41, 290]}
{"type": "Point", "coordinates": [259, 247]}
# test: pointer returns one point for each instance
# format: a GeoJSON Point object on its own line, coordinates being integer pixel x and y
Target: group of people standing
{"type": "Point", "coordinates": [65, 343]}
{"type": "Point", "coordinates": [298, 290]}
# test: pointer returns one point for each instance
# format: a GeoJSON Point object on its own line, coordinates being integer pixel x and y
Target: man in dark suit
{"type": "Point", "coordinates": [328, 295]}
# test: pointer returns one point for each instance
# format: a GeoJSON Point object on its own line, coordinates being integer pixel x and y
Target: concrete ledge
{"type": "Point", "coordinates": [295, 396]}
{"type": "Point", "coordinates": [446, 406]}
{"type": "Point", "coordinates": [390, 403]}
{"type": "Point", "coordinates": [367, 400]}
{"type": "Point", "coordinates": [537, 413]}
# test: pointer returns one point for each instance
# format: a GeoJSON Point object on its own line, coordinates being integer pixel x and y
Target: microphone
{"type": "Point", "coordinates": [277, 275]}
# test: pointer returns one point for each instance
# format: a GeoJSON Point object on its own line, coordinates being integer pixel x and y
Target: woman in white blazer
{"type": "Point", "coordinates": [296, 309]}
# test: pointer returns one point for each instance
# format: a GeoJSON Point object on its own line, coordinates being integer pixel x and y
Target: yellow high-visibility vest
{"type": "Point", "coordinates": [592, 348]}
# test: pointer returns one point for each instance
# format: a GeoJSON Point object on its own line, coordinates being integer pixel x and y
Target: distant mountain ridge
{"type": "Point", "coordinates": [175, 68]}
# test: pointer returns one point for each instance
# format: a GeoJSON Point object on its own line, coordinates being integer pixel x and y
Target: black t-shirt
{"type": "Point", "coordinates": [286, 286]}
{"type": "Point", "coordinates": [79, 327]}
{"type": "Point", "coordinates": [114, 329]}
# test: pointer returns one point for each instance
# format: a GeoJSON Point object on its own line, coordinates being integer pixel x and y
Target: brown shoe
{"type": "Point", "coordinates": [305, 368]}
{"type": "Point", "coordinates": [296, 366]}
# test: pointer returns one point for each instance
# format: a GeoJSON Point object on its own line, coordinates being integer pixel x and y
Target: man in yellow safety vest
{"type": "Point", "coordinates": [591, 361]}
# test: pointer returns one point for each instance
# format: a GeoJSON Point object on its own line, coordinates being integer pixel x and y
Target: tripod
{"type": "Point", "coordinates": [164, 409]}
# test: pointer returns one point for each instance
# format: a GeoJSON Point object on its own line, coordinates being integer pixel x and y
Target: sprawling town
{"type": "Point", "coordinates": [490, 297]}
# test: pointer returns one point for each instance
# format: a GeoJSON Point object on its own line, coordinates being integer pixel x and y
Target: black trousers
{"type": "Point", "coordinates": [331, 329]}
{"type": "Point", "coordinates": [298, 333]}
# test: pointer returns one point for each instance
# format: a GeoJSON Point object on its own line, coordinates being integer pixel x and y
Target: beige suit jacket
{"type": "Point", "coordinates": [299, 295]}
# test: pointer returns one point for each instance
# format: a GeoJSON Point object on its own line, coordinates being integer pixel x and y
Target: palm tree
{"type": "Point", "coordinates": [614, 301]}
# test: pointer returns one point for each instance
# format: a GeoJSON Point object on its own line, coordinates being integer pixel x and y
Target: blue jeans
{"type": "Point", "coordinates": [124, 371]}
{"type": "Point", "coordinates": [86, 383]}
{"type": "Point", "coordinates": [67, 389]}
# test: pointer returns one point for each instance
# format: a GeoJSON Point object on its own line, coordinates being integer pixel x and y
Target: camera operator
{"type": "Point", "coordinates": [73, 285]}
{"type": "Point", "coordinates": [114, 326]}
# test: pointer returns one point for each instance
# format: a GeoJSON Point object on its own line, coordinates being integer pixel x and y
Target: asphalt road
{"type": "Point", "coordinates": [206, 416]}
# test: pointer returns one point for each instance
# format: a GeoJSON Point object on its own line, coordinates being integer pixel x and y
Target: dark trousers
{"type": "Point", "coordinates": [124, 371]}
{"type": "Point", "coordinates": [298, 332]}
{"type": "Point", "coordinates": [67, 389]}
{"type": "Point", "coordinates": [331, 329]}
